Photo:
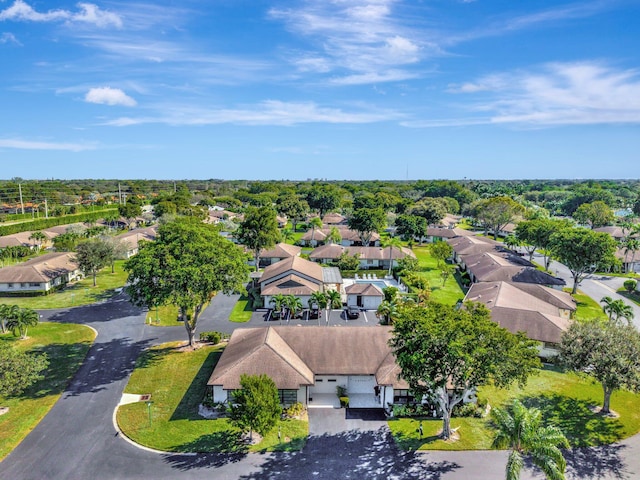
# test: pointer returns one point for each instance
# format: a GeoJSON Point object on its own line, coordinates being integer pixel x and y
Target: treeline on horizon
{"type": "Point", "coordinates": [558, 196]}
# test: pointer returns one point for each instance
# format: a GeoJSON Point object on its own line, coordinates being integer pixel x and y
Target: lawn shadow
{"type": "Point", "coordinates": [360, 454]}
{"type": "Point", "coordinates": [576, 419]}
{"type": "Point", "coordinates": [187, 409]}
{"type": "Point", "coordinates": [228, 446]}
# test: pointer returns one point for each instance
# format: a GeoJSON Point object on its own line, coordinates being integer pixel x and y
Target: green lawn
{"type": "Point", "coordinates": [565, 399]}
{"type": "Point", "coordinates": [79, 293]}
{"type": "Point", "coordinates": [448, 294]}
{"type": "Point", "coordinates": [177, 383]}
{"type": "Point", "coordinates": [634, 297]}
{"type": "Point", "coordinates": [242, 310]}
{"type": "Point", "coordinates": [587, 307]}
{"type": "Point", "coordinates": [164, 316]}
{"type": "Point", "coordinates": [66, 345]}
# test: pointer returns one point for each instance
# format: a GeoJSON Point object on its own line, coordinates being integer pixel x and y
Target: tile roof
{"type": "Point", "coordinates": [290, 285]}
{"type": "Point", "coordinates": [364, 289]}
{"type": "Point", "coordinates": [297, 265]}
{"type": "Point", "coordinates": [40, 269]}
{"type": "Point", "coordinates": [281, 250]}
{"type": "Point", "coordinates": [365, 253]}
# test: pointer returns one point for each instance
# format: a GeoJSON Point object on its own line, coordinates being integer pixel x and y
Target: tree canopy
{"type": "Point", "coordinates": [186, 265]}
{"type": "Point", "coordinates": [18, 369]}
{"type": "Point", "coordinates": [259, 230]}
{"type": "Point", "coordinates": [438, 346]}
{"type": "Point", "coordinates": [366, 221]}
{"type": "Point", "coordinates": [496, 212]}
{"type": "Point", "coordinates": [93, 255]}
{"type": "Point", "coordinates": [256, 406]}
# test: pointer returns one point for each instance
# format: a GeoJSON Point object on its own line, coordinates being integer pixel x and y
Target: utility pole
{"type": "Point", "coordinates": [21, 203]}
{"type": "Point", "coordinates": [119, 194]}
{"type": "Point", "coordinates": [46, 209]}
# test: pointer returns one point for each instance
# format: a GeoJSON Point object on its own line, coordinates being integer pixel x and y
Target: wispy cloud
{"type": "Point", "coordinates": [360, 40]}
{"type": "Point", "coordinates": [20, 144]}
{"type": "Point", "coordinates": [270, 112]}
{"type": "Point", "coordinates": [109, 96]}
{"type": "Point", "coordinates": [7, 37]}
{"type": "Point", "coordinates": [86, 13]}
{"type": "Point", "coordinates": [556, 94]}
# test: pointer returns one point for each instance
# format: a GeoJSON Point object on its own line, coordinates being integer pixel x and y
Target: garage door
{"type": "Point", "coordinates": [327, 384]}
{"type": "Point", "coordinates": [361, 384]}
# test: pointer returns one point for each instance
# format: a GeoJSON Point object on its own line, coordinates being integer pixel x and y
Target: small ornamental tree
{"type": "Point", "coordinates": [19, 370]}
{"type": "Point", "coordinates": [608, 352]}
{"type": "Point", "coordinates": [256, 406]}
{"type": "Point", "coordinates": [440, 251]}
{"type": "Point", "coordinates": [93, 255]}
{"type": "Point", "coordinates": [446, 353]}
{"type": "Point", "coordinates": [630, 285]}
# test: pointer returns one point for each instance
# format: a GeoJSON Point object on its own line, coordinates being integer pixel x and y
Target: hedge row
{"type": "Point", "coordinates": [43, 223]}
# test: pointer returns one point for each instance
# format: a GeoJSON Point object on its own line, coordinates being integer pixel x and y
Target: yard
{"type": "Point", "coordinates": [66, 346]}
{"type": "Point", "coordinates": [177, 381]}
{"type": "Point", "coordinates": [565, 399]}
{"type": "Point", "coordinates": [78, 293]}
{"type": "Point", "coordinates": [449, 293]}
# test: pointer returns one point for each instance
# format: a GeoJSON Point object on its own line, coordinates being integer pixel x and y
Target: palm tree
{"type": "Point", "coordinates": [293, 304]}
{"type": "Point", "coordinates": [278, 302]}
{"type": "Point", "coordinates": [287, 235]}
{"type": "Point", "coordinates": [520, 429]}
{"type": "Point", "coordinates": [25, 318]}
{"type": "Point", "coordinates": [7, 312]}
{"type": "Point", "coordinates": [315, 222]}
{"type": "Point", "coordinates": [319, 299]}
{"type": "Point", "coordinates": [334, 236]}
{"type": "Point", "coordinates": [38, 237]}
{"type": "Point", "coordinates": [391, 243]}
{"type": "Point", "coordinates": [334, 299]}
{"type": "Point", "coordinates": [617, 309]}
{"type": "Point", "coordinates": [387, 312]}
{"type": "Point", "coordinates": [608, 306]}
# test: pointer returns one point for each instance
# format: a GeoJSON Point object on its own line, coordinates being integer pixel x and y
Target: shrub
{"type": "Point", "coordinates": [213, 337]}
{"type": "Point", "coordinates": [294, 410]}
{"type": "Point", "coordinates": [411, 410]}
{"type": "Point", "coordinates": [467, 410]}
{"type": "Point", "coordinates": [344, 402]}
{"type": "Point", "coordinates": [630, 285]}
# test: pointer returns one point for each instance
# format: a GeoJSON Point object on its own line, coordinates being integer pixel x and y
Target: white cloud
{"type": "Point", "coordinates": [109, 96]}
{"type": "Point", "coordinates": [88, 13]}
{"type": "Point", "coordinates": [270, 112]}
{"type": "Point", "coordinates": [7, 37]}
{"type": "Point", "coordinates": [374, 77]}
{"type": "Point", "coordinates": [19, 144]}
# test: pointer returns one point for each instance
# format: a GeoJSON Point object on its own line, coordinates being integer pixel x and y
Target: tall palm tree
{"type": "Point", "coordinates": [278, 303]}
{"type": "Point", "coordinates": [520, 429]}
{"type": "Point", "coordinates": [334, 236]}
{"type": "Point", "coordinates": [7, 312]}
{"type": "Point", "coordinates": [314, 223]}
{"type": "Point", "coordinates": [293, 304]}
{"type": "Point", "coordinates": [617, 309]}
{"type": "Point", "coordinates": [319, 299]}
{"type": "Point", "coordinates": [334, 299]}
{"type": "Point", "coordinates": [387, 312]}
{"type": "Point", "coordinates": [25, 318]}
{"type": "Point", "coordinates": [38, 237]}
{"type": "Point", "coordinates": [391, 243]}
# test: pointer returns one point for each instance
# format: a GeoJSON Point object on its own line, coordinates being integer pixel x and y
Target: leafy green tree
{"type": "Point", "coordinates": [440, 251]}
{"type": "Point", "coordinates": [256, 406]}
{"type": "Point", "coordinates": [520, 429]}
{"type": "Point", "coordinates": [66, 242]}
{"type": "Point", "coordinates": [630, 285]}
{"type": "Point", "coordinates": [367, 221]}
{"type": "Point", "coordinates": [433, 210]}
{"type": "Point", "coordinates": [324, 198]}
{"type": "Point", "coordinates": [19, 370]}
{"type": "Point", "coordinates": [259, 230]}
{"type": "Point", "coordinates": [536, 234]}
{"type": "Point", "coordinates": [608, 352]}
{"type": "Point", "coordinates": [438, 345]}
{"type": "Point", "coordinates": [22, 320]}
{"type": "Point", "coordinates": [348, 262]}
{"type": "Point", "coordinates": [445, 272]}
{"type": "Point", "coordinates": [582, 251]}
{"type": "Point", "coordinates": [187, 264]}
{"type": "Point", "coordinates": [496, 212]}
{"type": "Point", "coordinates": [294, 208]}
{"type": "Point", "coordinates": [93, 255]}
{"type": "Point", "coordinates": [596, 214]}
{"type": "Point", "coordinates": [411, 226]}
{"type": "Point", "coordinates": [129, 211]}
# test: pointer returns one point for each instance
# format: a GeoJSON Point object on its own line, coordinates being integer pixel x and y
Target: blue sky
{"type": "Point", "coordinates": [337, 89]}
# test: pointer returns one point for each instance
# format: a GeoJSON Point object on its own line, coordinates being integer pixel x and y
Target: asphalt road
{"type": "Point", "coordinates": [77, 439]}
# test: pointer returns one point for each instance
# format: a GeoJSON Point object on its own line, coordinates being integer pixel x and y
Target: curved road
{"type": "Point", "coordinates": [77, 439]}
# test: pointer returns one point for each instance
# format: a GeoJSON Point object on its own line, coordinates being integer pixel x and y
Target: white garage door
{"type": "Point", "coordinates": [361, 384]}
{"type": "Point", "coordinates": [327, 384]}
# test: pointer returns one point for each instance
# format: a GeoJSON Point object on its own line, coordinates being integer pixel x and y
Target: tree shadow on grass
{"type": "Point", "coordinates": [187, 409]}
{"type": "Point", "coordinates": [576, 419]}
{"type": "Point", "coordinates": [227, 445]}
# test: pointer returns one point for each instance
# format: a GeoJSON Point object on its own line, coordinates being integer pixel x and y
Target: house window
{"type": "Point", "coordinates": [10, 285]}
{"type": "Point", "coordinates": [230, 394]}
{"type": "Point", "coordinates": [288, 397]}
{"type": "Point", "coordinates": [332, 380]}
{"type": "Point", "coordinates": [402, 396]}
{"type": "Point", "coordinates": [34, 284]}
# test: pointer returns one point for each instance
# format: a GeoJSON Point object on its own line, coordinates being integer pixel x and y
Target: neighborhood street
{"type": "Point", "coordinates": [78, 439]}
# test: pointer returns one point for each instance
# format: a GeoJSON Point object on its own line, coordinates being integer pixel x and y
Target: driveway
{"type": "Point", "coordinates": [337, 421]}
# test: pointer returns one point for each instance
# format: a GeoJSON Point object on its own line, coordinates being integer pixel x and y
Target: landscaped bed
{"type": "Point", "coordinates": [66, 346]}
{"type": "Point", "coordinates": [176, 378]}
{"type": "Point", "coordinates": [566, 400]}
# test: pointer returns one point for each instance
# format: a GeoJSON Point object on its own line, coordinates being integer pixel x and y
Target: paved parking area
{"type": "Point", "coordinates": [336, 421]}
{"type": "Point", "coordinates": [335, 317]}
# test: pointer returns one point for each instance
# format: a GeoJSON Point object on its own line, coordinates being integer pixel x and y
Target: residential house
{"type": "Point", "coordinates": [334, 219]}
{"type": "Point", "coordinates": [299, 277]}
{"type": "Point", "coordinates": [40, 274]}
{"type": "Point", "coordinates": [370, 257]}
{"type": "Point", "coordinates": [438, 234]}
{"type": "Point", "coordinates": [308, 363]}
{"type": "Point", "coordinates": [132, 238]}
{"type": "Point", "coordinates": [279, 252]}
{"type": "Point", "coordinates": [350, 238]}
{"type": "Point", "coordinates": [541, 313]}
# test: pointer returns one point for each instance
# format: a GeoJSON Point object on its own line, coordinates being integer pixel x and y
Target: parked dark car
{"type": "Point", "coordinates": [352, 312]}
{"type": "Point", "coordinates": [314, 312]}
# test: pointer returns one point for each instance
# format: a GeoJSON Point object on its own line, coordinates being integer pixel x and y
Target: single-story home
{"type": "Point", "coordinates": [438, 234]}
{"type": "Point", "coordinates": [279, 252]}
{"type": "Point", "coordinates": [132, 238]}
{"type": "Point", "coordinates": [541, 313]}
{"type": "Point", "coordinates": [307, 365]}
{"type": "Point", "coordinates": [299, 277]}
{"type": "Point", "coordinates": [370, 257]}
{"type": "Point", "coordinates": [350, 238]}
{"type": "Point", "coordinates": [364, 295]}
{"type": "Point", "coordinates": [40, 274]}
{"type": "Point", "coordinates": [473, 245]}
{"type": "Point", "coordinates": [334, 219]}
